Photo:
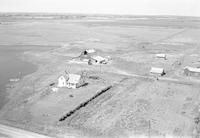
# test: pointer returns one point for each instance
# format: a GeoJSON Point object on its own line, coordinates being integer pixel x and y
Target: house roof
{"type": "Point", "coordinates": [192, 69]}
{"type": "Point", "coordinates": [161, 55]}
{"type": "Point", "coordinates": [90, 51]}
{"type": "Point", "coordinates": [64, 76]}
{"type": "Point", "coordinates": [74, 78]}
{"type": "Point", "coordinates": [98, 58]}
{"type": "Point", "coordinates": [157, 70]}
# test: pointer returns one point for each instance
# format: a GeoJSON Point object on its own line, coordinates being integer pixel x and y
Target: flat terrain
{"type": "Point", "coordinates": [11, 132]}
{"type": "Point", "coordinates": [125, 100]}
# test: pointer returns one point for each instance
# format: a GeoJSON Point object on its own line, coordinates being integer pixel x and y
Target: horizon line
{"type": "Point", "coordinates": [76, 13]}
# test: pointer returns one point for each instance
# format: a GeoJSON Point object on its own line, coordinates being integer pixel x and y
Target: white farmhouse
{"type": "Point", "coordinates": [71, 81]}
{"type": "Point", "coordinates": [75, 81]}
{"type": "Point", "coordinates": [158, 71]}
{"type": "Point", "coordinates": [62, 81]}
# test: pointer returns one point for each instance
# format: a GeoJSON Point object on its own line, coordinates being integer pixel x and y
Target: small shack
{"type": "Point", "coordinates": [86, 54]}
{"type": "Point", "coordinates": [97, 60]}
{"type": "Point", "coordinates": [191, 71]}
{"type": "Point", "coordinates": [157, 71]}
{"type": "Point", "coordinates": [71, 81]}
{"type": "Point", "coordinates": [88, 51]}
{"type": "Point", "coordinates": [161, 56]}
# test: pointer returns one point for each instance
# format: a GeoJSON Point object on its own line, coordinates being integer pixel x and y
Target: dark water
{"type": "Point", "coordinates": [11, 66]}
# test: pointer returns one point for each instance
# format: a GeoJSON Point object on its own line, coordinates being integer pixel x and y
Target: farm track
{"type": "Point", "coordinates": [164, 79]}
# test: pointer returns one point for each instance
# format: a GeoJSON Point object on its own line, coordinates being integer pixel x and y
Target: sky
{"type": "Point", "coordinates": [132, 7]}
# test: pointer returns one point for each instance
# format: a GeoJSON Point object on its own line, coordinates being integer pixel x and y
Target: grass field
{"type": "Point", "coordinates": [136, 104]}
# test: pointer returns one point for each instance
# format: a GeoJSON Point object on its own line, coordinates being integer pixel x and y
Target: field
{"type": "Point", "coordinates": [122, 98]}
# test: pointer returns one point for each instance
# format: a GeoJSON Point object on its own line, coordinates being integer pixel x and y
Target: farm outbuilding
{"type": "Point", "coordinates": [88, 51]}
{"type": "Point", "coordinates": [161, 56]}
{"type": "Point", "coordinates": [158, 71]}
{"type": "Point", "coordinates": [86, 54]}
{"type": "Point", "coordinates": [97, 60]}
{"type": "Point", "coordinates": [191, 71]}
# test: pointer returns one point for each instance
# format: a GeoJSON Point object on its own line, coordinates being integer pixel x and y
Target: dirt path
{"type": "Point", "coordinates": [11, 132]}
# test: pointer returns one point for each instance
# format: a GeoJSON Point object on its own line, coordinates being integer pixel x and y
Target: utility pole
{"type": "Point", "coordinates": [149, 129]}
{"type": "Point", "coordinates": [20, 75]}
{"type": "Point", "coordinates": [100, 67]}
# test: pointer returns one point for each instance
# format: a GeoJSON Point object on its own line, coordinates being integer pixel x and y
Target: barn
{"type": "Point", "coordinates": [157, 71]}
{"type": "Point", "coordinates": [191, 71]}
{"type": "Point", "coordinates": [161, 56]}
{"type": "Point", "coordinates": [97, 60]}
{"type": "Point", "coordinates": [86, 54]}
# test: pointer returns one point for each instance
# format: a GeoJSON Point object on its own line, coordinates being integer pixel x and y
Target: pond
{"type": "Point", "coordinates": [12, 67]}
